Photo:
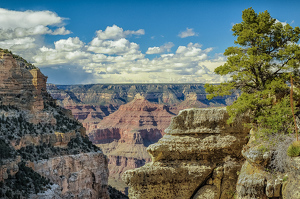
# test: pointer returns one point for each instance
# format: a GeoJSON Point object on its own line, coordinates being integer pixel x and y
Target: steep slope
{"type": "Point", "coordinates": [197, 158]}
{"type": "Point", "coordinates": [44, 151]}
{"type": "Point", "coordinates": [124, 135]}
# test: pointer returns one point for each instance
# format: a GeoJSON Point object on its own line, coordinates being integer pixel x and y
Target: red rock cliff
{"type": "Point", "coordinates": [125, 134]}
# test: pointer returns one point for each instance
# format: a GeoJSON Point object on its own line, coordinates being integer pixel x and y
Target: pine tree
{"type": "Point", "coordinates": [266, 52]}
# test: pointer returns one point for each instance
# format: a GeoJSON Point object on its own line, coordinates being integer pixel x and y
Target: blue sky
{"type": "Point", "coordinates": [75, 42]}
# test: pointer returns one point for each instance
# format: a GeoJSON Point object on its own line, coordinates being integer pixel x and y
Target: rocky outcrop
{"type": "Point", "coordinates": [260, 178]}
{"type": "Point", "coordinates": [144, 111]}
{"type": "Point", "coordinates": [79, 176]}
{"type": "Point", "coordinates": [56, 139]}
{"type": "Point", "coordinates": [197, 158]}
{"type": "Point", "coordinates": [19, 86]}
{"type": "Point", "coordinates": [45, 152]}
{"type": "Point", "coordinates": [291, 187]}
{"type": "Point", "coordinates": [9, 167]}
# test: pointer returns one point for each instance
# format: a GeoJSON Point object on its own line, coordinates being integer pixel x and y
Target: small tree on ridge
{"type": "Point", "coordinates": [266, 52]}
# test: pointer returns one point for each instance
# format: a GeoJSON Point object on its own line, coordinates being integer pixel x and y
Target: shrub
{"type": "Point", "coordinates": [294, 149]}
{"type": "Point", "coordinates": [279, 144]}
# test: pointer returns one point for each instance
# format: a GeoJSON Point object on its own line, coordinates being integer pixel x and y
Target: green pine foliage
{"type": "Point", "coordinates": [6, 151]}
{"type": "Point", "coordinates": [25, 182]}
{"type": "Point", "coordinates": [75, 146]}
{"type": "Point", "coordinates": [266, 52]}
{"type": "Point", "coordinates": [16, 125]}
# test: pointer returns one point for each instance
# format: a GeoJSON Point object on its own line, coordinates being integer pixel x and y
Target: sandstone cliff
{"type": "Point", "coordinates": [45, 152]}
{"type": "Point", "coordinates": [198, 157]}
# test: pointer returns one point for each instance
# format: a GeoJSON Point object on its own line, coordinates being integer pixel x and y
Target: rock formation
{"type": "Point", "coordinates": [124, 135]}
{"type": "Point", "coordinates": [198, 157]}
{"type": "Point", "coordinates": [19, 86]}
{"type": "Point", "coordinates": [260, 179]}
{"type": "Point", "coordinates": [119, 94]}
{"type": "Point", "coordinates": [80, 176]}
{"type": "Point", "coordinates": [45, 152]}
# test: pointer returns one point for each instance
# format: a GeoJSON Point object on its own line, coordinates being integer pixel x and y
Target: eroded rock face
{"type": "Point", "coordinates": [125, 134]}
{"type": "Point", "coordinates": [257, 179]}
{"type": "Point", "coordinates": [197, 158]}
{"type": "Point", "coordinates": [36, 133]}
{"type": "Point", "coordinates": [79, 176]}
{"type": "Point", "coordinates": [9, 167]}
{"type": "Point", "coordinates": [19, 86]}
{"type": "Point", "coordinates": [291, 188]}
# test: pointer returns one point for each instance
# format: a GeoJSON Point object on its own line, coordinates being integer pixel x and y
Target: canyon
{"type": "Point", "coordinates": [150, 141]}
{"type": "Point", "coordinates": [124, 119]}
{"type": "Point", "coordinates": [45, 152]}
{"type": "Point", "coordinates": [124, 135]}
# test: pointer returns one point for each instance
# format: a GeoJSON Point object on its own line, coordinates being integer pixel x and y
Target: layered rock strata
{"type": "Point", "coordinates": [198, 157]}
{"type": "Point", "coordinates": [45, 152]}
{"type": "Point", "coordinates": [19, 86]}
{"type": "Point", "coordinates": [119, 94]}
{"type": "Point", "coordinates": [124, 135]}
{"type": "Point", "coordinates": [137, 122]}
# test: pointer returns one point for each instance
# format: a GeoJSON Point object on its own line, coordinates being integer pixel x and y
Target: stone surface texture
{"type": "Point", "coordinates": [79, 176]}
{"type": "Point", "coordinates": [19, 86]}
{"type": "Point", "coordinates": [258, 181]}
{"type": "Point", "coordinates": [198, 157]}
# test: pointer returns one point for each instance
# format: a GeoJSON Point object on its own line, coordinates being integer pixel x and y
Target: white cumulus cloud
{"type": "Point", "coordinates": [23, 30]}
{"type": "Point", "coordinates": [114, 32]}
{"type": "Point", "coordinates": [189, 32]}
{"type": "Point", "coordinates": [157, 50]}
{"type": "Point", "coordinates": [10, 19]}
{"type": "Point", "coordinates": [109, 57]}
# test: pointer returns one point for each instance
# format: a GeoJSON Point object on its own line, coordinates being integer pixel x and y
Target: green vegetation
{"type": "Point", "coordinates": [45, 151]}
{"type": "Point", "coordinates": [6, 51]}
{"type": "Point", "coordinates": [259, 66]}
{"type": "Point", "coordinates": [115, 194]}
{"type": "Point", "coordinates": [16, 125]}
{"type": "Point", "coordinates": [25, 182]}
{"type": "Point", "coordinates": [65, 124]}
{"type": "Point", "coordinates": [7, 152]}
{"type": "Point", "coordinates": [294, 149]}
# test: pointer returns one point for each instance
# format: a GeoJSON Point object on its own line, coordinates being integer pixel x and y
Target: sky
{"type": "Point", "coordinates": [129, 41]}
